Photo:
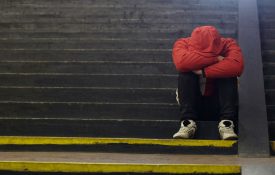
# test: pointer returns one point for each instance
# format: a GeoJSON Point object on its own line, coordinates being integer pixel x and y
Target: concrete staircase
{"type": "Point", "coordinates": [98, 68]}
{"type": "Point", "coordinates": [97, 75]}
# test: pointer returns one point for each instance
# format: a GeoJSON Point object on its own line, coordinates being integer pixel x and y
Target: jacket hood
{"type": "Point", "coordinates": [206, 41]}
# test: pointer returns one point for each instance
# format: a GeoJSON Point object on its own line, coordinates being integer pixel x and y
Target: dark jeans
{"type": "Point", "coordinates": [221, 106]}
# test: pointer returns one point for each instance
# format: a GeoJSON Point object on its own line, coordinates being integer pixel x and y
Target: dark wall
{"type": "Point", "coordinates": [267, 28]}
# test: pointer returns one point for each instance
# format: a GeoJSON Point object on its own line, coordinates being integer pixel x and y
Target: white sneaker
{"type": "Point", "coordinates": [187, 130]}
{"type": "Point", "coordinates": [177, 96]}
{"type": "Point", "coordinates": [226, 129]}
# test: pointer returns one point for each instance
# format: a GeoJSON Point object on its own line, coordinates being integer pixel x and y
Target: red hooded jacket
{"type": "Point", "coordinates": [201, 51]}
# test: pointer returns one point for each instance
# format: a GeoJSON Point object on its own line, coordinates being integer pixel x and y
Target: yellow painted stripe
{"type": "Point", "coordinates": [117, 168]}
{"type": "Point", "coordinates": [272, 146]}
{"type": "Point", "coordinates": [19, 140]}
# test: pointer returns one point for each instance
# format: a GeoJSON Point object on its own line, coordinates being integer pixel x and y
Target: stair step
{"type": "Point", "coordinates": [269, 68]}
{"type": "Point", "coordinates": [110, 19]}
{"type": "Point", "coordinates": [137, 55]}
{"type": "Point", "coordinates": [268, 56]}
{"type": "Point", "coordinates": [101, 68]}
{"type": "Point", "coordinates": [89, 67]}
{"type": "Point", "coordinates": [271, 112]}
{"type": "Point", "coordinates": [38, 8]}
{"type": "Point", "coordinates": [273, 147]}
{"type": "Point", "coordinates": [89, 94]}
{"type": "Point", "coordinates": [268, 44]}
{"type": "Point", "coordinates": [115, 128]}
{"type": "Point", "coordinates": [266, 11]}
{"type": "Point", "coordinates": [141, 3]}
{"type": "Point", "coordinates": [93, 35]}
{"type": "Point", "coordinates": [91, 44]}
{"type": "Point", "coordinates": [267, 33]}
{"type": "Point", "coordinates": [268, 24]}
{"type": "Point", "coordinates": [271, 127]}
{"type": "Point", "coordinates": [99, 168]}
{"type": "Point", "coordinates": [118, 144]}
{"type": "Point", "coordinates": [266, 16]}
{"type": "Point", "coordinates": [32, 15]}
{"type": "Point", "coordinates": [89, 110]}
{"type": "Point", "coordinates": [269, 82]}
{"type": "Point", "coordinates": [90, 80]}
{"type": "Point", "coordinates": [270, 96]}
{"type": "Point", "coordinates": [265, 6]}
{"type": "Point", "coordinates": [85, 27]}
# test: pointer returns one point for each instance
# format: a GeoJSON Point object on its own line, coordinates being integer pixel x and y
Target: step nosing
{"type": "Point", "coordinates": [88, 119]}
{"type": "Point", "coordinates": [145, 50]}
{"type": "Point", "coordinates": [35, 140]}
{"type": "Point", "coordinates": [85, 74]}
{"type": "Point", "coordinates": [85, 39]}
{"type": "Point", "coordinates": [106, 22]}
{"type": "Point", "coordinates": [78, 74]}
{"type": "Point", "coordinates": [95, 88]}
{"type": "Point", "coordinates": [85, 103]}
{"type": "Point", "coordinates": [89, 62]}
{"type": "Point", "coordinates": [85, 167]}
{"type": "Point", "coordinates": [109, 31]}
{"type": "Point", "coordinates": [272, 143]}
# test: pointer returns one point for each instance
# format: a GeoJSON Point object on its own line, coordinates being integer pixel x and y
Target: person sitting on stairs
{"type": "Point", "coordinates": [208, 68]}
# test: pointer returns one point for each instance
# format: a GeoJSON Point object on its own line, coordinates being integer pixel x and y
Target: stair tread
{"type": "Point", "coordinates": [117, 158]}
{"type": "Point", "coordinates": [89, 144]}
{"type": "Point", "coordinates": [36, 140]}
{"type": "Point", "coordinates": [87, 167]}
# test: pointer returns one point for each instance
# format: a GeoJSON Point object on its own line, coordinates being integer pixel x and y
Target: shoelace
{"type": "Point", "coordinates": [228, 129]}
{"type": "Point", "coordinates": [185, 129]}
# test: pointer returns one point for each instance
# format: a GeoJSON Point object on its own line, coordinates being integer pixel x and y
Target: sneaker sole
{"type": "Point", "coordinates": [230, 138]}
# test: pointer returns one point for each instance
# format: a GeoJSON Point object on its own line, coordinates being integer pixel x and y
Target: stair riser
{"type": "Point", "coordinates": [270, 97]}
{"type": "Point", "coordinates": [89, 68]}
{"type": "Point", "coordinates": [80, 27]}
{"type": "Point", "coordinates": [90, 111]}
{"type": "Point", "coordinates": [267, 34]}
{"type": "Point", "coordinates": [269, 69]}
{"type": "Point", "coordinates": [269, 83]}
{"type": "Point", "coordinates": [97, 44]}
{"type": "Point", "coordinates": [102, 128]}
{"type": "Point", "coordinates": [268, 24]}
{"type": "Point", "coordinates": [124, 81]}
{"type": "Point", "coordinates": [111, 13]}
{"type": "Point", "coordinates": [171, 19]}
{"type": "Point", "coordinates": [71, 3]}
{"type": "Point", "coordinates": [126, 35]}
{"type": "Point", "coordinates": [271, 127]}
{"type": "Point", "coordinates": [88, 95]}
{"type": "Point", "coordinates": [268, 44]}
{"type": "Point", "coordinates": [270, 112]}
{"type": "Point", "coordinates": [92, 128]}
{"type": "Point", "coordinates": [268, 56]}
{"type": "Point", "coordinates": [88, 55]}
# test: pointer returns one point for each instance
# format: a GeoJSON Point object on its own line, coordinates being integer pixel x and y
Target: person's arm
{"type": "Point", "coordinates": [186, 61]}
{"type": "Point", "coordinates": [232, 64]}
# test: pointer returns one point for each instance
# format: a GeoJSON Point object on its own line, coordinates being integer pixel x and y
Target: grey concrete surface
{"type": "Point", "coordinates": [250, 166]}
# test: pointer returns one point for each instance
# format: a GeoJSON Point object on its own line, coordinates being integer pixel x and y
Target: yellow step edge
{"type": "Point", "coordinates": [23, 140]}
{"type": "Point", "coordinates": [272, 145]}
{"type": "Point", "coordinates": [83, 167]}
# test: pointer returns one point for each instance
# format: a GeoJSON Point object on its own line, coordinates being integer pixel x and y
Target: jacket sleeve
{"type": "Point", "coordinates": [231, 66]}
{"type": "Point", "coordinates": [186, 61]}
